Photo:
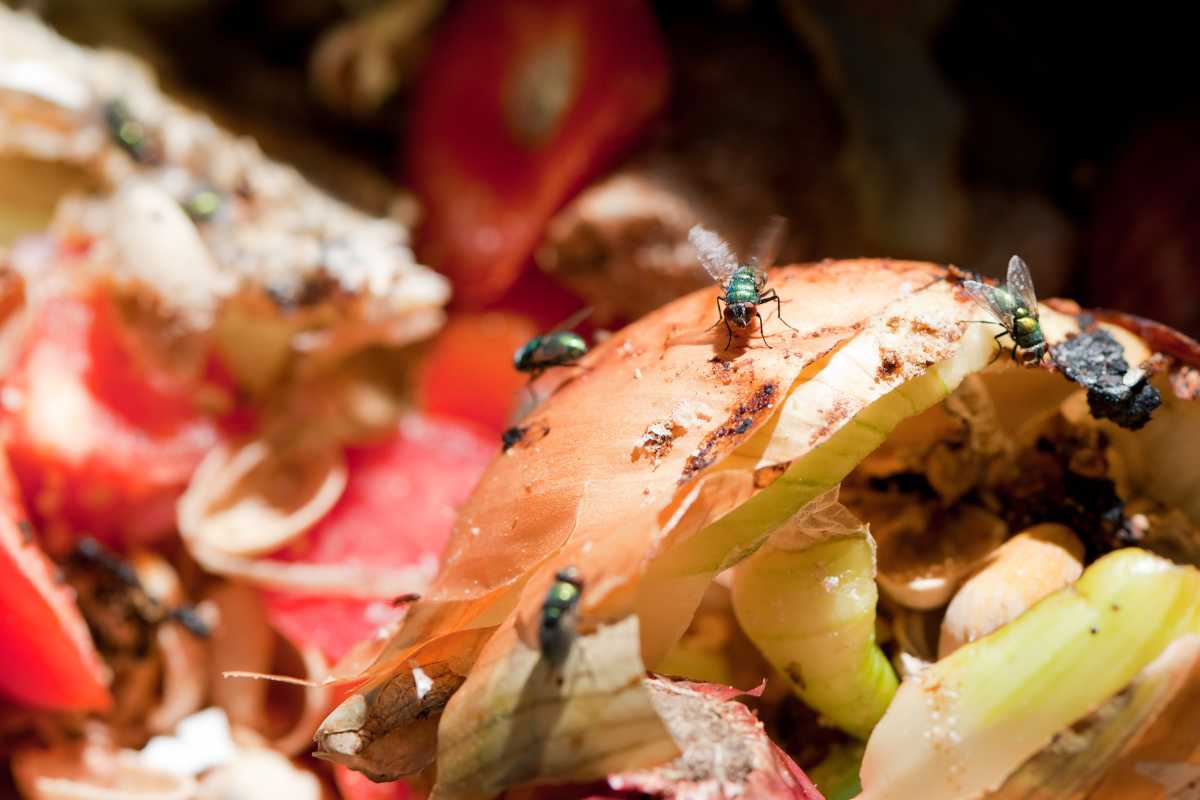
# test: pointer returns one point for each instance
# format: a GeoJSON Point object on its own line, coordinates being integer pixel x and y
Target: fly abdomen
{"type": "Point", "coordinates": [556, 628]}
{"type": "Point", "coordinates": [743, 288]}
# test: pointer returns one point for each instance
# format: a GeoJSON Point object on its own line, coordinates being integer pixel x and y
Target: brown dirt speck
{"type": "Point", "coordinates": [765, 476]}
{"type": "Point", "coordinates": [731, 431]}
{"type": "Point", "coordinates": [523, 435]}
{"type": "Point", "coordinates": [889, 365]}
{"type": "Point", "coordinates": [795, 675]}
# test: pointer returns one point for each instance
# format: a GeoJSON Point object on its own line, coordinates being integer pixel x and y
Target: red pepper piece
{"type": "Point", "coordinates": [396, 512]}
{"type": "Point", "coordinates": [519, 104]}
{"type": "Point", "coordinates": [48, 656]}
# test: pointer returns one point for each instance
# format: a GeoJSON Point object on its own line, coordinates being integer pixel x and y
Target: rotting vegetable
{"type": "Point", "coordinates": [888, 389]}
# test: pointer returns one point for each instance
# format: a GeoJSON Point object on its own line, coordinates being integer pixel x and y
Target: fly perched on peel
{"type": "Point", "coordinates": [743, 285]}
{"type": "Point", "coordinates": [1016, 308]}
{"type": "Point", "coordinates": [561, 347]}
{"type": "Point", "coordinates": [556, 628]}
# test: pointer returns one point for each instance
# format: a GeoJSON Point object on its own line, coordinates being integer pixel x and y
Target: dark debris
{"type": "Point", "coordinates": [740, 421]}
{"type": "Point", "coordinates": [523, 435]}
{"type": "Point", "coordinates": [511, 436]}
{"type": "Point", "coordinates": [1096, 361]}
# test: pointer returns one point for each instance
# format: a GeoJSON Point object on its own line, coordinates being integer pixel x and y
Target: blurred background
{"type": "Point", "coordinates": [557, 156]}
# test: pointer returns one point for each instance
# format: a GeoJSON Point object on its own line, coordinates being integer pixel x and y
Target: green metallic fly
{"type": "Point", "coordinates": [559, 348]}
{"type": "Point", "coordinates": [127, 132]}
{"type": "Point", "coordinates": [556, 629]}
{"type": "Point", "coordinates": [1016, 308]}
{"type": "Point", "coordinates": [743, 285]}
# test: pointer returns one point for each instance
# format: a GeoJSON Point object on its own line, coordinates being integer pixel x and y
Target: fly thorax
{"type": "Point", "coordinates": [1027, 332]}
{"type": "Point", "coordinates": [560, 348]}
{"type": "Point", "coordinates": [743, 288]}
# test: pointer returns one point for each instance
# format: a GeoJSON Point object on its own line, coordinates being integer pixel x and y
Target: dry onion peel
{"type": "Point", "coordinates": [650, 530]}
{"type": "Point", "coordinates": [388, 727]}
{"type": "Point", "coordinates": [668, 592]}
{"type": "Point", "coordinates": [254, 499]}
{"type": "Point", "coordinates": [522, 718]}
{"type": "Point", "coordinates": [961, 726]}
{"type": "Point", "coordinates": [565, 468]}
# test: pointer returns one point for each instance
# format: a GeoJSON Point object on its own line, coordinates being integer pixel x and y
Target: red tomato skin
{"type": "Point", "coordinates": [489, 171]}
{"type": "Point", "coordinates": [48, 656]}
{"type": "Point", "coordinates": [397, 511]}
{"type": "Point", "coordinates": [100, 444]}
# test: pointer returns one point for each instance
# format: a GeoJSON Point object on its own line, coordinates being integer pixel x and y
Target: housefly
{"type": "Point", "coordinates": [558, 348]}
{"type": "Point", "coordinates": [1016, 309]}
{"type": "Point", "coordinates": [556, 628]}
{"type": "Point", "coordinates": [743, 284]}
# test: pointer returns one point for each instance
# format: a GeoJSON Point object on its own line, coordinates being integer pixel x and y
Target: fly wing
{"type": "Point", "coordinates": [573, 320]}
{"type": "Point", "coordinates": [714, 254]}
{"type": "Point", "coordinates": [986, 296]}
{"type": "Point", "coordinates": [767, 244]}
{"type": "Point", "coordinates": [1020, 283]}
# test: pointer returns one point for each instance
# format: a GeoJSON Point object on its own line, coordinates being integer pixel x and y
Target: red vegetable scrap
{"type": "Point", "coordinates": [468, 373]}
{"type": "Point", "coordinates": [520, 102]}
{"type": "Point", "coordinates": [48, 656]}
{"type": "Point", "coordinates": [356, 786]}
{"type": "Point", "coordinates": [102, 440]}
{"type": "Point", "coordinates": [395, 514]}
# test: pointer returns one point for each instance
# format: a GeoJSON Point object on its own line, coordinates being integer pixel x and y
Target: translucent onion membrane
{"type": "Point", "coordinates": [243, 641]}
{"type": "Point", "coordinates": [245, 501]}
{"type": "Point", "coordinates": [878, 344]}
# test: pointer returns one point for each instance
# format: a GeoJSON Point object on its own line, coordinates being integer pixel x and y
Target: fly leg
{"type": "Point", "coordinates": [997, 337]}
{"type": "Point", "coordinates": [720, 314]}
{"type": "Point", "coordinates": [760, 328]}
{"type": "Point", "coordinates": [722, 318]}
{"type": "Point", "coordinates": [772, 296]}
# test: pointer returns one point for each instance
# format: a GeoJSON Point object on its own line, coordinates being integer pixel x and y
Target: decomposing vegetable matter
{"type": "Point", "coordinates": [731, 460]}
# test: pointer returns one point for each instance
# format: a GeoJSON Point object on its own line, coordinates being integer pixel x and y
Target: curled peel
{"type": "Point", "coordinates": [992, 704]}
{"type": "Point", "coordinates": [878, 343]}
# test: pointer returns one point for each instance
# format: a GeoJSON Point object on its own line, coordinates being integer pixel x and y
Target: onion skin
{"type": "Point", "coordinates": [648, 527]}
{"type": "Point", "coordinates": [573, 481]}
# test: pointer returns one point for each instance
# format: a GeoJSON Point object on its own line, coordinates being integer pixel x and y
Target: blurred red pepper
{"type": "Point", "coordinates": [396, 512]}
{"type": "Point", "coordinates": [468, 372]}
{"type": "Point", "coordinates": [356, 786]}
{"type": "Point", "coordinates": [101, 441]}
{"type": "Point", "coordinates": [48, 656]}
{"type": "Point", "coordinates": [518, 105]}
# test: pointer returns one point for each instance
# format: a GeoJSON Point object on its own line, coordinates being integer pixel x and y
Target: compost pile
{"type": "Point", "coordinates": [503, 480]}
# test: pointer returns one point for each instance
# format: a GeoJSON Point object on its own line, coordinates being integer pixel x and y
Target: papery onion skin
{"type": "Point", "coordinates": [571, 480]}
{"type": "Point", "coordinates": [876, 343]}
